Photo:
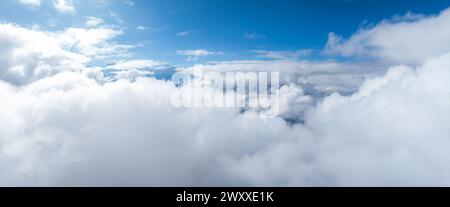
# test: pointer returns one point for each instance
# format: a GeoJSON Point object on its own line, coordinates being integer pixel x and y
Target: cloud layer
{"type": "Point", "coordinates": [65, 123]}
{"type": "Point", "coordinates": [70, 130]}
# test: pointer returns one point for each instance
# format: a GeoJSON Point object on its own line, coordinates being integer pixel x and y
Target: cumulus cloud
{"type": "Point", "coordinates": [393, 132]}
{"type": "Point", "coordinates": [341, 123]}
{"type": "Point", "coordinates": [316, 78]}
{"type": "Point", "coordinates": [408, 39]}
{"type": "Point", "coordinates": [28, 55]}
{"type": "Point", "coordinates": [70, 130]}
{"type": "Point", "coordinates": [95, 43]}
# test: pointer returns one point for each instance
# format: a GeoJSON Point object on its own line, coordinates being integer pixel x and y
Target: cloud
{"type": "Point", "coordinates": [128, 2]}
{"type": "Point", "coordinates": [93, 21]}
{"type": "Point", "coordinates": [358, 124]}
{"type": "Point", "coordinates": [31, 3]}
{"type": "Point", "coordinates": [281, 54]}
{"type": "Point", "coordinates": [81, 131]}
{"type": "Point", "coordinates": [317, 78]}
{"type": "Point", "coordinates": [134, 64]}
{"type": "Point", "coordinates": [69, 130]}
{"type": "Point", "coordinates": [64, 6]}
{"type": "Point", "coordinates": [254, 36]}
{"type": "Point", "coordinates": [195, 54]}
{"type": "Point", "coordinates": [408, 39]}
{"type": "Point", "coordinates": [94, 42]}
{"type": "Point", "coordinates": [116, 17]}
{"type": "Point", "coordinates": [392, 132]}
{"type": "Point", "coordinates": [141, 28]}
{"type": "Point", "coordinates": [185, 33]}
{"type": "Point", "coordinates": [28, 55]}
{"type": "Point", "coordinates": [133, 69]}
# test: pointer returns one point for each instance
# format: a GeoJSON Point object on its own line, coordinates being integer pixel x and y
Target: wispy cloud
{"type": "Point", "coordinates": [134, 64]}
{"type": "Point", "coordinates": [199, 52]}
{"type": "Point", "coordinates": [141, 28]}
{"type": "Point", "coordinates": [193, 55]}
{"type": "Point", "coordinates": [93, 21]}
{"type": "Point", "coordinates": [128, 2]}
{"type": "Point", "coordinates": [285, 54]}
{"type": "Point", "coordinates": [254, 36]}
{"type": "Point", "coordinates": [184, 33]}
{"type": "Point", "coordinates": [31, 3]}
{"type": "Point", "coordinates": [116, 17]}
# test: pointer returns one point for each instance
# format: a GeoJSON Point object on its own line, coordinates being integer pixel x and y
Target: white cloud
{"type": "Point", "coordinates": [185, 33]}
{"type": "Point", "coordinates": [28, 55]}
{"type": "Point", "coordinates": [65, 6]}
{"type": "Point", "coordinates": [68, 130]}
{"type": "Point", "coordinates": [93, 21]}
{"type": "Point", "coordinates": [128, 2]}
{"type": "Point", "coordinates": [141, 28]}
{"type": "Point", "coordinates": [253, 36]}
{"type": "Point", "coordinates": [64, 124]}
{"type": "Point", "coordinates": [393, 132]}
{"type": "Point", "coordinates": [281, 54]}
{"type": "Point", "coordinates": [317, 78]}
{"type": "Point", "coordinates": [199, 52]}
{"type": "Point", "coordinates": [32, 3]}
{"type": "Point", "coordinates": [193, 55]}
{"type": "Point", "coordinates": [94, 42]}
{"type": "Point", "coordinates": [134, 64]}
{"type": "Point", "coordinates": [410, 39]}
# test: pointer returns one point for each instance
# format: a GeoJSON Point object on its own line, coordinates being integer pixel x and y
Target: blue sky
{"type": "Point", "coordinates": [230, 28]}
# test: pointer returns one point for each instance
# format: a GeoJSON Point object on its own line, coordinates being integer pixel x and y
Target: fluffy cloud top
{"type": "Point", "coordinates": [29, 55]}
{"type": "Point", "coordinates": [67, 124]}
{"type": "Point", "coordinates": [71, 130]}
{"type": "Point", "coordinates": [315, 78]}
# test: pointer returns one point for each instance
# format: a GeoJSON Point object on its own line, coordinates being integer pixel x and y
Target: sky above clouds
{"type": "Point", "coordinates": [86, 93]}
{"type": "Point", "coordinates": [234, 28]}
